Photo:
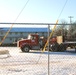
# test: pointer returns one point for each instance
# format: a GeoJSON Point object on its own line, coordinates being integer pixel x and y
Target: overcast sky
{"type": "Point", "coordinates": [36, 11]}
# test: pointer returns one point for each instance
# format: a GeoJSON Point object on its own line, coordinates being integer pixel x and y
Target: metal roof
{"type": "Point", "coordinates": [26, 29]}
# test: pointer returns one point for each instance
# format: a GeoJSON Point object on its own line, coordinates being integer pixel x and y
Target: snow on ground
{"type": "Point", "coordinates": [36, 63]}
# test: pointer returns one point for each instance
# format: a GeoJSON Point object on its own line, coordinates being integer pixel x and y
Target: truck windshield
{"type": "Point", "coordinates": [29, 37]}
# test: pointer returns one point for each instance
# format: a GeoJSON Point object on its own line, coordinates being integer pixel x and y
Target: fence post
{"type": "Point", "coordinates": [48, 49]}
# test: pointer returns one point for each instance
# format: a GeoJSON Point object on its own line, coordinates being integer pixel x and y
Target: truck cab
{"type": "Point", "coordinates": [32, 42]}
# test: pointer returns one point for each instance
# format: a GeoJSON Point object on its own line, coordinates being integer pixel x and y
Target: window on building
{"type": "Point", "coordinates": [1, 38]}
{"type": "Point", "coordinates": [21, 33]}
{"type": "Point", "coordinates": [1, 33]}
{"type": "Point", "coordinates": [10, 33]}
{"type": "Point", "coordinates": [43, 34]}
{"type": "Point", "coordinates": [10, 39]}
{"type": "Point", "coordinates": [16, 33]}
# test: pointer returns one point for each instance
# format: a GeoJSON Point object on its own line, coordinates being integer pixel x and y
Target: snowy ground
{"type": "Point", "coordinates": [36, 63]}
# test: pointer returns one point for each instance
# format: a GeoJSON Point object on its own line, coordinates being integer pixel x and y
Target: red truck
{"type": "Point", "coordinates": [34, 42]}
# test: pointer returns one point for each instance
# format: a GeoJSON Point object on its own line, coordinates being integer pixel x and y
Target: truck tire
{"type": "Point", "coordinates": [25, 49]}
{"type": "Point", "coordinates": [62, 47]}
{"type": "Point", "coordinates": [55, 47]}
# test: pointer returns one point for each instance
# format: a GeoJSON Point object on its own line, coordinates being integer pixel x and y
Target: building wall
{"type": "Point", "coordinates": [15, 36]}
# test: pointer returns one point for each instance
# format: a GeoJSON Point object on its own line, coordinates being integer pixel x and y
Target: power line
{"type": "Point", "coordinates": [62, 9]}
{"type": "Point", "coordinates": [22, 10]}
{"type": "Point", "coordinates": [13, 24]}
{"type": "Point", "coordinates": [53, 31]}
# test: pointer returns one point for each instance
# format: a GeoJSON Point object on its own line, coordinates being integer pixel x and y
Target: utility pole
{"type": "Point", "coordinates": [70, 19]}
{"type": "Point", "coordinates": [70, 27]}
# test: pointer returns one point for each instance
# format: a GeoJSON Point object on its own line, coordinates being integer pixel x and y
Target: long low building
{"type": "Point", "coordinates": [17, 33]}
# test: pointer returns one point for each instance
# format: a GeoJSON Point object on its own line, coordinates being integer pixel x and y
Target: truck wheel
{"type": "Point", "coordinates": [25, 49]}
{"type": "Point", "coordinates": [62, 48]}
{"type": "Point", "coordinates": [55, 47]}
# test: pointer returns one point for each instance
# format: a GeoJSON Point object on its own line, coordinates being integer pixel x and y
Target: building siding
{"type": "Point", "coordinates": [17, 33]}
